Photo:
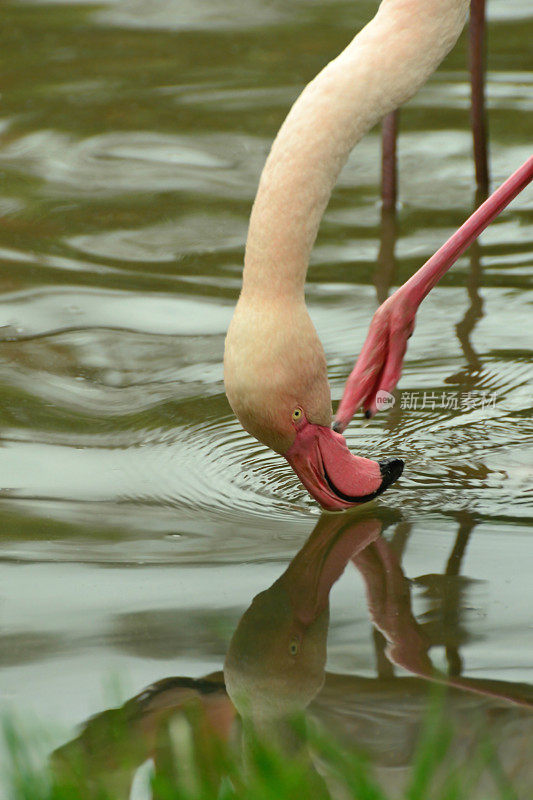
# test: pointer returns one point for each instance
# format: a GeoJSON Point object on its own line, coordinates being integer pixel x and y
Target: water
{"type": "Point", "coordinates": [138, 520]}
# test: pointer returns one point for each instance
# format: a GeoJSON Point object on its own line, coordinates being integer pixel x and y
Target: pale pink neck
{"type": "Point", "coordinates": [381, 68]}
{"type": "Point", "coordinates": [432, 271]}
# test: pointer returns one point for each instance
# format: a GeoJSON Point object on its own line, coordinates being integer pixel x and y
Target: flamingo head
{"type": "Point", "coordinates": [278, 388]}
{"type": "Point", "coordinates": [330, 472]}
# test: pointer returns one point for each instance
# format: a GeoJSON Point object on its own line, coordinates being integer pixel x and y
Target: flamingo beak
{"type": "Point", "coordinates": [332, 475]}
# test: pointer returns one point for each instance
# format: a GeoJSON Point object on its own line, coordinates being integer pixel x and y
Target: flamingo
{"type": "Point", "coordinates": [274, 365]}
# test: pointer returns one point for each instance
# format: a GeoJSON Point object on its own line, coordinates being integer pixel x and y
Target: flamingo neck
{"type": "Point", "coordinates": [322, 560]}
{"type": "Point", "coordinates": [384, 65]}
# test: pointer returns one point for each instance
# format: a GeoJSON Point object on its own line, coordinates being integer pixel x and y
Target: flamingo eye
{"type": "Point", "coordinates": [297, 414]}
{"type": "Point", "coordinates": [294, 646]}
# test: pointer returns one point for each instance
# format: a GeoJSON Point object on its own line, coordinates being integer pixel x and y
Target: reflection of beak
{"type": "Point", "coordinates": [322, 560]}
{"type": "Point", "coordinates": [332, 474]}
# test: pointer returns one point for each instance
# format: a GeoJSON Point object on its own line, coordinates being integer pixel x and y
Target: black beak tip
{"type": "Point", "coordinates": [337, 427]}
{"type": "Point", "coordinates": [391, 469]}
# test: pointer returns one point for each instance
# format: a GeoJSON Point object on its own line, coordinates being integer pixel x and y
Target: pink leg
{"type": "Point", "coordinates": [427, 276]}
{"type": "Point", "coordinates": [386, 260]}
{"type": "Point", "coordinates": [477, 90]}
{"type": "Point", "coordinates": [389, 180]}
{"type": "Point", "coordinates": [380, 364]}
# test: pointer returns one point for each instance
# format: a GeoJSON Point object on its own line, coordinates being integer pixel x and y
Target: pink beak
{"type": "Point", "coordinates": [332, 474]}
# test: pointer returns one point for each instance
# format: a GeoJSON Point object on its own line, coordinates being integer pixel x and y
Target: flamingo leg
{"type": "Point", "coordinates": [421, 283]}
{"type": "Point", "coordinates": [379, 366]}
{"type": "Point", "coordinates": [389, 171]}
{"type": "Point", "coordinates": [477, 93]}
{"type": "Point", "coordinates": [386, 259]}
{"type": "Point", "coordinates": [389, 126]}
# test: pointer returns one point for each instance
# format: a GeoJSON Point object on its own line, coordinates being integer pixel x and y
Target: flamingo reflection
{"type": "Point", "coordinates": [276, 666]}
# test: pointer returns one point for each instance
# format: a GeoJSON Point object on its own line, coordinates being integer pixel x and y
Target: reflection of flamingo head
{"type": "Point", "coordinates": [276, 659]}
{"type": "Point", "coordinates": [275, 664]}
{"type": "Point", "coordinates": [277, 385]}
